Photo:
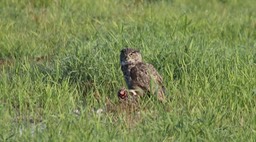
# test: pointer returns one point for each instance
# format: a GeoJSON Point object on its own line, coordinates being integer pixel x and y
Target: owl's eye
{"type": "Point", "coordinates": [134, 52]}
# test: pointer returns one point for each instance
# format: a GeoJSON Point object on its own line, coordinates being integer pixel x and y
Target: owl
{"type": "Point", "coordinates": [141, 77]}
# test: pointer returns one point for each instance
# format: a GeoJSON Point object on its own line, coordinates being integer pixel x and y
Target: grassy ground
{"type": "Point", "coordinates": [59, 65]}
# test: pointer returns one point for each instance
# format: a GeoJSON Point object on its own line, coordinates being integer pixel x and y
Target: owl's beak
{"type": "Point", "coordinates": [123, 63]}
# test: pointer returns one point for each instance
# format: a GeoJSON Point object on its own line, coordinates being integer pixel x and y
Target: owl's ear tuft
{"type": "Point", "coordinates": [123, 50]}
{"type": "Point", "coordinates": [129, 50]}
{"type": "Point", "coordinates": [137, 50]}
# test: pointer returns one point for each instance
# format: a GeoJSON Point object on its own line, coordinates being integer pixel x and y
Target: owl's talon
{"type": "Point", "coordinates": [133, 92]}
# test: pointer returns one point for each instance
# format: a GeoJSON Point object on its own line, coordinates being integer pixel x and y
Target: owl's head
{"type": "Point", "coordinates": [130, 56]}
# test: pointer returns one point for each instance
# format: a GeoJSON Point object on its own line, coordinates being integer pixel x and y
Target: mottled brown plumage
{"type": "Point", "coordinates": [139, 76]}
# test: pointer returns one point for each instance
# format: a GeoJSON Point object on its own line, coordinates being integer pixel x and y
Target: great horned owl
{"type": "Point", "coordinates": [139, 76]}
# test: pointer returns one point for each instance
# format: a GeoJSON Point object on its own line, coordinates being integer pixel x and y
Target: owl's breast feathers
{"type": "Point", "coordinates": [146, 77]}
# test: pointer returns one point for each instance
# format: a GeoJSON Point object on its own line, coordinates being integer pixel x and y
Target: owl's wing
{"type": "Point", "coordinates": [140, 77]}
{"type": "Point", "coordinates": [142, 74]}
{"type": "Point", "coordinates": [155, 75]}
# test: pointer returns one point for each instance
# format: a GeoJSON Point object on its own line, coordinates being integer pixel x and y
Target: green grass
{"type": "Point", "coordinates": [60, 56]}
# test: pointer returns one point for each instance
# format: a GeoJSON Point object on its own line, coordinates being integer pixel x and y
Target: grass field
{"type": "Point", "coordinates": [59, 66]}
